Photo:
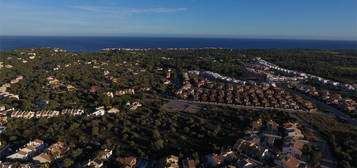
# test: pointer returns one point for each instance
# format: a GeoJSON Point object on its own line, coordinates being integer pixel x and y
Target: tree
{"type": "Point", "coordinates": [159, 144]}
{"type": "Point", "coordinates": [76, 153]}
{"type": "Point", "coordinates": [67, 162]}
{"type": "Point", "coordinates": [315, 158]}
{"type": "Point", "coordinates": [95, 131]}
{"type": "Point", "coordinates": [26, 104]}
{"type": "Point", "coordinates": [156, 134]}
{"type": "Point", "coordinates": [104, 100]}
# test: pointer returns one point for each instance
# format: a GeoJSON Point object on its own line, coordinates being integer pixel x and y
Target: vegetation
{"type": "Point", "coordinates": [139, 69]}
{"type": "Point", "coordinates": [342, 137]}
{"type": "Point", "coordinates": [146, 132]}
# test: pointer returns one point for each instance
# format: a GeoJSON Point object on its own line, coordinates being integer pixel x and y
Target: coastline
{"type": "Point", "coordinates": [95, 44]}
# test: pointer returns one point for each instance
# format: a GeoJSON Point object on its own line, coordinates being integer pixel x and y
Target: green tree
{"type": "Point", "coordinates": [68, 162]}
{"type": "Point", "coordinates": [159, 144]}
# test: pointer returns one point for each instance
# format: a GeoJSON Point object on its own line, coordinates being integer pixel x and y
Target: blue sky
{"type": "Point", "coordinates": [303, 19]}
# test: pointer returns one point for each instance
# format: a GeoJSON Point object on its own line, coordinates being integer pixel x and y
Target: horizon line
{"type": "Point", "coordinates": [188, 37]}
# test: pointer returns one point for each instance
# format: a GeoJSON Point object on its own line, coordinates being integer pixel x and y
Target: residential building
{"type": "Point", "coordinates": [128, 162]}
{"type": "Point", "coordinates": [29, 150]}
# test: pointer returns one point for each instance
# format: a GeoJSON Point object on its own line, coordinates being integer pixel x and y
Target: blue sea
{"type": "Point", "coordinates": [96, 43]}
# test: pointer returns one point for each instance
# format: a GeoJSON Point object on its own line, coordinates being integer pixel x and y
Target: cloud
{"type": "Point", "coordinates": [128, 11]}
{"type": "Point", "coordinates": [156, 10]}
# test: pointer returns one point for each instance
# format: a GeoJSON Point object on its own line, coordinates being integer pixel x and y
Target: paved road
{"type": "Point", "coordinates": [325, 106]}
{"type": "Point", "coordinates": [240, 106]}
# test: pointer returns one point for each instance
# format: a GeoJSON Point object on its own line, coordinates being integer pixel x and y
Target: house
{"type": "Point", "coordinates": [166, 82]}
{"type": "Point", "coordinates": [70, 87]}
{"type": "Point", "coordinates": [292, 130]}
{"type": "Point", "coordinates": [254, 139]}
{"type": "Point", "coordinates": [144, 163]}
{"type": "Point", "coordinates": [2, 129]}
{"type": "Point", "coordinates": [99, 111]}
{"type": "Point", "coordinates": [106, 72]}
{"type": "Point", "coordinates": [110, 94]}
{"type": "Point", "coordinates": [213, 160]}
{"type": "Point", "coordinates": [44, 158]}
{"type": "Point", "coordinates": [94, 89]}
{"type": "Point", "coordinates": [128, 162]}
{"type": "Point", "coordinates": [188, 163]}
{"type": "Point", "coordinates": [98, 161]}
{"type": "Point", "coordinates": [228, 155]}
{"type": "Point", "coordinates": [7, 165]}
{"type": "Point", "coordinates": [171, 161]}
{"type": "Point", "coordinates": [26, 165]}
{"type": "Point", "coordinates": [256, 125]}
{"type": "Point", "coordinates": [287, 160]}
{"type": "Point", "coordinates": [133, 106]}
{"type": "Point", "coordinates": [272, 126]}
{"type": "Point", "coordinates": [270, 140]}
{"type": "Point", "coordinates": [53, 152]}
{"type": "Point", "coordinates": [105, 154]}
{"type": "Point", "coordinates": [2, 108]}
{"type": "Point", "coordinates": [113, 110]}
{"type": "Point", "coordinates": [293, 146]}
{"type": "Point", "coordinates": [245, 163]}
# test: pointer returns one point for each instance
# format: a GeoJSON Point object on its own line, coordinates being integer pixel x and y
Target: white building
{"type": "Point", "coordinates": [29, 150]}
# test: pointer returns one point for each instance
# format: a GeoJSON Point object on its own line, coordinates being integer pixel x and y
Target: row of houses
{"type": "Point", "coordinates": [54, 83]}
{"type": "Point", "coordinates": [99, 111]}
{"type": "Point", "coordinates": [148, 49]}
{"type": "Point", "coordinates": [31, 149]}
{"type": "Point", "coordinates": [22, 60]}
{"type": "Point", "coordinates": [34, 153]}
{"type": "Point", "coordinates": [202, 89]}
{"type": "Point", "coordinates": [122, 92]}
{"type": "Point", "coordinates": [216, 76]}
{"type": "Point", "coordinates": [293, 144]}
{"type": "Point", "coordinates": [3, 88]}
{"type": "Point", "coordinates": [308, 77]}
{"type": "Point", "coordinates": [346, 104]}
{"type": "Point", "coordinates": [44, 113]}
{"type": "Point", "coordinates": [3, 65]}
{"type": "Point", "coordinates": [271, 76]}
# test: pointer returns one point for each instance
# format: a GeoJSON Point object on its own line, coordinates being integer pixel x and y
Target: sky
{"type": "Point", "coordinates": [300, 19]}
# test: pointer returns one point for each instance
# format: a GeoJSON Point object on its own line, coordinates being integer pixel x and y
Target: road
{"type": "Point", "coordinates": [240, 106]}
{"type": "Point", "coordinates": [328, 160]}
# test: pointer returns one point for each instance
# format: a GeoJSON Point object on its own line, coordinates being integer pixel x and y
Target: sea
{"type": "Point", "coordinates": [92, 44]}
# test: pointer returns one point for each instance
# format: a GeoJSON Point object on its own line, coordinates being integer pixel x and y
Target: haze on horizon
{"type": "Point", "coordinates": [300, 19]}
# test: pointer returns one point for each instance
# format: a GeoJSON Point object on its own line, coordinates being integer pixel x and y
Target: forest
{"type": "Point", "coordinates": [149, 131]}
